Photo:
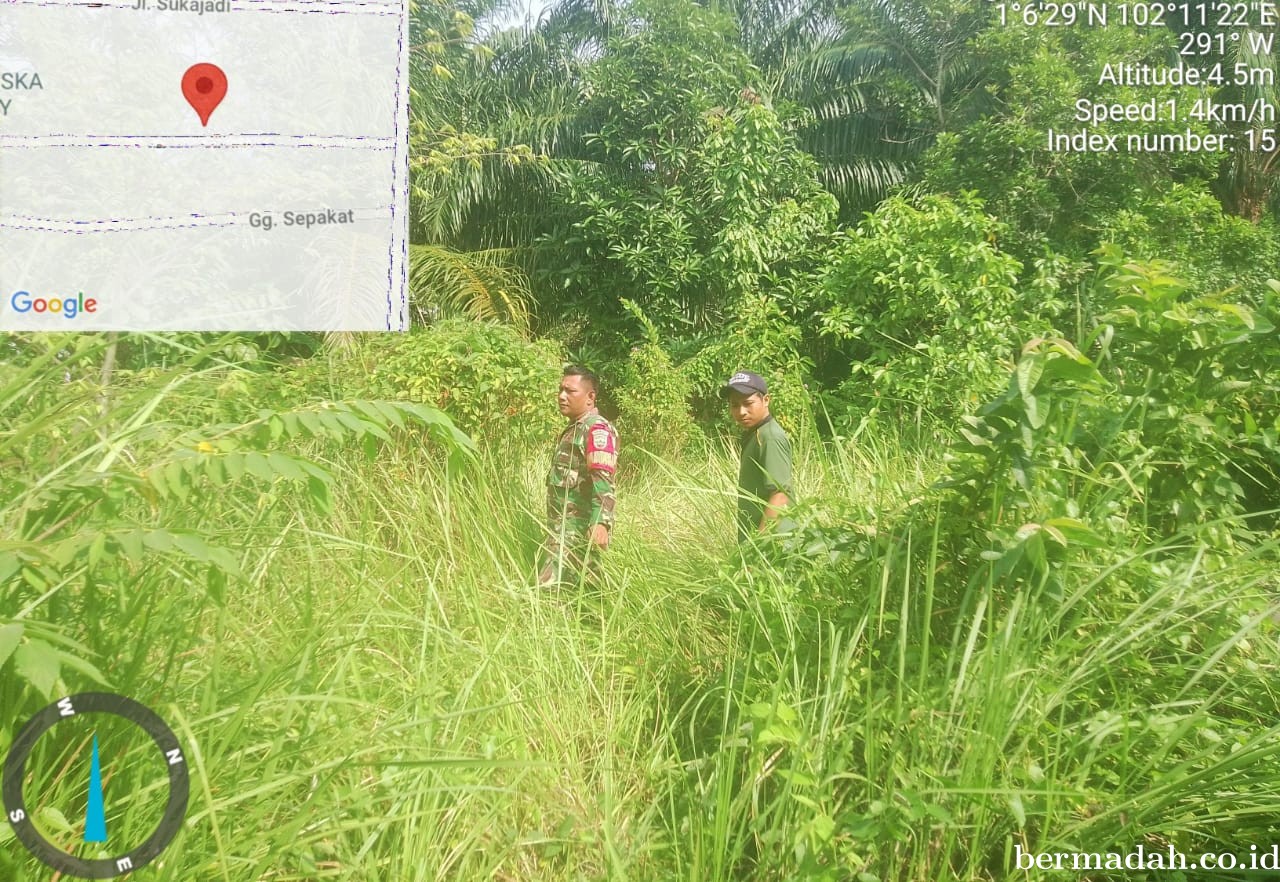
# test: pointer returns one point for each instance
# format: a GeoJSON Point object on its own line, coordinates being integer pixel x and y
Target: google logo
{"type": "Point", "coordinates": [70, 307]}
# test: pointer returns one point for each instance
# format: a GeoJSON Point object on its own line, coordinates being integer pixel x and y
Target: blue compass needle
{"type": "Point", "coordinates": [95, 815]}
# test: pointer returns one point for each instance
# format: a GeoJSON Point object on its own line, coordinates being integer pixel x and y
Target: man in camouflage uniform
{"type": "Point", "coordinates": [580, 495]}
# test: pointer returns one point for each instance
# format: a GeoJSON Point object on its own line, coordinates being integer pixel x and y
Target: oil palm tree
{"type": "Point", "coordinates": [867, 85]}
{"type": "Point", "coordinates": [1247, 175]}
{"type": "Point", "coordinates": [875, 80]}
{"type": "Point", "coordinates": [451, 158]}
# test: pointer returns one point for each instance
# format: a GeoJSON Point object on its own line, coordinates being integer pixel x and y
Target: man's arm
{"type": "Point", "coordinates": [602, 464]}
{"type": "Point", "coordinates": [776, 461]}
{"type": "Point", "coordinates": [772, 508]}
{"type": "Point", "coordinates": [602, 502]}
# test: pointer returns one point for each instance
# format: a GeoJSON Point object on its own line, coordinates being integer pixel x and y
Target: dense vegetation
{"type": "Point", "coordinates": [1030, 600]}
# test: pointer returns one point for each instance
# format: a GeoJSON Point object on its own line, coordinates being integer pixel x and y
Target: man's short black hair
{"type": "Point", "coordinates": [577, 370]}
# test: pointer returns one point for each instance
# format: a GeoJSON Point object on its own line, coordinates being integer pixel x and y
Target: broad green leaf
{"type": "Point", "coordinates": [33, 578]}
{"type": "Point", "coordinates": [779, 733]}
{"type": "Point", "coordinates": [1035, 551]}
{"type": "Point", "coordinates": [191, 546]}
{"type": "Point", "coordinates": [331, 424]}
{"type": "Point", "coordinates": [801, 799]}
{"type": "Point", "coordinates": [215, 470]}
{"type": "Point", "coordinates": [10, 634]}
{"type": "Point", "coordinates": [131, 544]}
{"type": "Point", "coordinates": [256, 464]}
{"type": "Point", "coordinates": [824, 827]}
{"type": "Point", "coordinates": [318, 490]}
{"type": "Point", "coordinates": [314, 470]}
{"type": "Point", "coordinates": [37, 662]}
{"type": "Point", "coordinates": [76, 663]}
{"type": "Point", "coordinates": [176, 477]}
{"type": "Point", "coordinates": [97, 548]}
{"type": "Point", "coordinates": [158, 540]}
{"type": "Point", "coordinates": [225, 560]}
{"type": "Point", "coordinates": [372, 428]}
{"type": "Point", "coordinates": [64, 552]}
{"type": "Point", "coordinates": [157, 479]}
{"type": "Point", "coordinates": [797, 778]}
{"type": "Point", "coordinates": [1239, 311]}
{"type": "Point", "coordinates": [285, 466]}
{"type": "Point", "coordinates": [235, 465]}
{"type": "Point", "coordinates": [1030, 367]}
{"type": "Point", "coordinates": [391, 412]}
{"type": "Point", "coordinates": [370, 411]}
{"type": "Point", "coordinates": [1035, 415]}
{"type": "Point", "coordinates": [216, 581]}
{"type": "Point", "coordinates": [10, 563]}
{"type": "Point", "coordinates": [53, 820]}
{"type": "Point", "coordinates": [1076, 532]}
{"type": "Point", "coordinates": [311, 423]}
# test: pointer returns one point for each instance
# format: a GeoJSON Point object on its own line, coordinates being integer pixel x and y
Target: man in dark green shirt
{"type": "Point", "coordinates": [764, 475]}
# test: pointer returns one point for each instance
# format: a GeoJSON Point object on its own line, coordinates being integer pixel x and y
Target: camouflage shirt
{"type": "Point", "coordinates": [580, 484]}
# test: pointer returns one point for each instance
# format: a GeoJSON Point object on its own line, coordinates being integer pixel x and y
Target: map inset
{"type": "Point", "coordinates": [203, 165]}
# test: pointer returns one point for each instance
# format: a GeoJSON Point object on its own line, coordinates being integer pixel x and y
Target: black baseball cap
{"type": "Point", "coordinates": [746, 383]}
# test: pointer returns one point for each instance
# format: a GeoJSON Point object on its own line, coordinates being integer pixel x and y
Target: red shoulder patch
{"type": "Point", "coordinates": [602, 448]}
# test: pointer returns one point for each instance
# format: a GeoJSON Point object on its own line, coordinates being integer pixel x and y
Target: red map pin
{"type": "Point", "coordinates": [204, 86]}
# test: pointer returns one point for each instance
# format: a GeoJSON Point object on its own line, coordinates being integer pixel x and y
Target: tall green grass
{"type": "Point", "coordinates": [377, 690]}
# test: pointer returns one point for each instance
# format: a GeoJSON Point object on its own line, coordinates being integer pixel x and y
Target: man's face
{"type": "Point", "coordinates": [748, 411]}
{"type": "Point", "coordinates": [576, 396]}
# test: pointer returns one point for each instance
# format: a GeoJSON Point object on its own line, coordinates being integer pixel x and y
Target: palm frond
{"type": "Point", "coordinates": [483, 285]}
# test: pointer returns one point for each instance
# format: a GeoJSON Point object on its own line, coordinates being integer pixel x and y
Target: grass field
{"type": "Point", "coordinates": [374, 689]}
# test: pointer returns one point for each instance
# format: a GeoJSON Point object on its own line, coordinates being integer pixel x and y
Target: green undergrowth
{"type": "Point", "coordinates": [334, 607]}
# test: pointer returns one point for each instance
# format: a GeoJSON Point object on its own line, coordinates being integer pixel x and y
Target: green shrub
{"type": "Point", "coordinates": [1197, 374]}
{"type": "Point", "coordinates": [927, 306]}
{"type": "Point", "coordinates": [493, 383]}
{"type": "Point", "coordinates": [1187, 226]}
{"type": "Point", "coordinates": [652, 397]}
{"type": "Point", "coordinates": [1155, 422]}
{"type": "Point", "coordinates": [1048, 196]}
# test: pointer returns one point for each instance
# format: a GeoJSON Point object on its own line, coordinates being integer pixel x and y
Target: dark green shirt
{"type": "Point", "coordinates": [765, 469]}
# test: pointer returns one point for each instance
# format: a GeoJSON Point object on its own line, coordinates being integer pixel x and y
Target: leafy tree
{"type": "Point", "coordinates": [1062, 197]}
{"type": "Point", "coordinates": [695, 194]}
{"type": "Point", "coordinates": [923, 48]}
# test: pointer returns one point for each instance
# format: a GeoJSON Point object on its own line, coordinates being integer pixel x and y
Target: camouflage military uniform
{"type": "Point", "coordinates": [579, 496]}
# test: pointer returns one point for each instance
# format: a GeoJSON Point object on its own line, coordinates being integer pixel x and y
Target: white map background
{"type": "Point", "coordinates": [109, 184]}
